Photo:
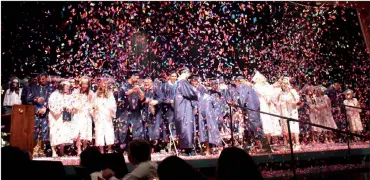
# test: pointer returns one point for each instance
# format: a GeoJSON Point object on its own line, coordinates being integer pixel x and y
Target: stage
{"type": "Point", "coordinates": [307, 152]}
{"type": "Point", "coordinates": [206, 164]}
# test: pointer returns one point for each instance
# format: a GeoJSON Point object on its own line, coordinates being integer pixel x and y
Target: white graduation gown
{"type": "Point", "coordinates": [82, 120]}
{"type": "Point", "coordinates": [267, 96]}
{"type": "Point", "coordinates": [106, 111]}
{"type": "Point", "coordinates": [60, 131]}
{"type": "Point", "coordinates": [288, 108]}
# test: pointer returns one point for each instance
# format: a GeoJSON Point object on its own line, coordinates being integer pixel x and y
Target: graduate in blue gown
{"type": "Point", "coordinates": [184, 111]}
{"type": "Point", "coordinates": [209, 107]}
{"type": "Point", "coordinates": [38, 95]}
{"type": "Point", "coordinates": [119, 95]}
{"type": "Point", "coordinates": [168, 104]}
{"type": "Point", "coordinates": [152, 111]}
{"type": "Point", "coordinates": [245, 96]}
{"type": "Point", "coordinates": [133, 98]}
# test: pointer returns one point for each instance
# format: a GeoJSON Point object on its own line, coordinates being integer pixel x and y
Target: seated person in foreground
{"type": "Point", "coordinates": [92, 159]}
{"type": "Point", "coordinates": [236, 164]}
{"type": "Point", "coordinates": [139, 152]}
{"type": "Point", "coordinates": [174, 167]}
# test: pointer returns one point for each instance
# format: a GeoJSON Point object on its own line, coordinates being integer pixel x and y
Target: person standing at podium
{"type": "Point", "coordinates": [60, 117]}
{"type": "Point", "coordinates": [38, 96]}
{"type": "Point", "coordinates": [12, 96]}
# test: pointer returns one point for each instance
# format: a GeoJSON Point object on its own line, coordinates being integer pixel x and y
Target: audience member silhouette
{"type": "Point", "coordinates": [236, 164]}
{"type": "Point", "coordinates": [174, 167]}
{"type": "Point", "coordinates": [15, 163]}
{"type": "Point", "coordinates": [139, 155]}
{"type": "Point", "coordinates": [92, 160]}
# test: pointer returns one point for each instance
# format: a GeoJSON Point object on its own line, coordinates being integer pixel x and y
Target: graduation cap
{"type": "Point", "coordinates": [239, 78]}
{"type": "Point", "coordinates": [221, 79]}
{"type": "Point", "coordinates": [194, 77]}
{"type": "Point", "coordinates": [184, 70]}
{"type": "Point", "coordinates": [172, 71]}
{"type": "Point", "coordinates": [348, 91]}
{"type": "Point", "coordinates": [213, 80]}
{"type": "Point", "coordinates": [24, 80]}
{"type": "Point", "coordinates": [15, 80]}
{"type": "Point", "coordinates": [258, 77]}
{"type": "Point", "coordinates": [133, 73]}
{"type": "Point", "coordinates": [84, 79]}
{"type": "Point", "coordinates": [322, 88]}
{"type": "Point", "coordinates": [65, 82]}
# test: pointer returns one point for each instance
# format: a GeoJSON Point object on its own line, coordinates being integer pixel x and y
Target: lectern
{"type": "Point", "coordinates": [22, 127]}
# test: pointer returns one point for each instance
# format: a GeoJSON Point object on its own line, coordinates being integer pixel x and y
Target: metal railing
{"type": "Point", "coordinates": [288, 119]}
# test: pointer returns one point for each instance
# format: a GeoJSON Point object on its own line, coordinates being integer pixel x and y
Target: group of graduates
{"type": "Point", "coordinates": [179, 107]}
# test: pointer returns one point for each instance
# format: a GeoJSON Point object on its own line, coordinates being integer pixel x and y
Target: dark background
{"type": "Point", "coordinates": [27, 31]}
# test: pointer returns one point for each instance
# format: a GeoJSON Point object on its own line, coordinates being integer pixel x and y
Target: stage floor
{"type": "Point", "coordinates": [306, 152]}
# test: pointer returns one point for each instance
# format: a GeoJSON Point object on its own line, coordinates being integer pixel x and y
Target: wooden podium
{"type": "Point", "coordinates": [22, 127]}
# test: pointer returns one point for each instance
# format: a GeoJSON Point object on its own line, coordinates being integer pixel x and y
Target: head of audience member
{"type": "Point", "coordinates": [139, 151]}
{"type": "Point", "coordinates": [15, 161]}
{"type": "Point", "coordinates": [91, 159]}
{"type": "Point", "coordinates": [174, 167]}
{"type": "Point", "coordinates": [116, 163]}
{"type": "Point", "coordinates": [236, 164]}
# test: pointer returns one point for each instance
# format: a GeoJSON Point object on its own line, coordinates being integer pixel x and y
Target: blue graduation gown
{"type": "Point", "coordinates": [118, 122]}
{"type": "Point", "coordinates": [132, 115]}
{"type": "Point", "coordinates": [247, 96]}
{"type": "Point", "coordinates": [208, 125]}
{"type": "Point", "coordinates": [41, 121]}
{"type": "Point", "coordinates": [154, 121]}
{"type": "Point", "coordinates": [184, 112]}
{"type": "Point", "coordinates": [168, 108]}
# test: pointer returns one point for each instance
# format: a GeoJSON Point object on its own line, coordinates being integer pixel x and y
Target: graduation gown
{"type": "Point", "coordinates": [82, 120]}
{"type": "Point", "coordinates": [267, 95]}
{"type": "Point", "coordinates": [105, 113]}
{"type": "Point", "coordinates": [132, 116]}
{"type": "Point", "coordinates": [154, 121]}
{"type": "Point", "coordinates": [184, 112]}
{"type": "Point", "coordinates": [208, 120]}
{"type": "Point", "coordinates": [248, 97]}
{"type": "Point", "coordinates": [288, 108]}
{"type": "Point", "coordinates": [60, 130]}
{"type": "Point", "coordinates": [119, 123]}
{"type": "Point", "coordinates": [168, 108]}
{"type": "Point", "coordinates": [41, 121]}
